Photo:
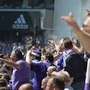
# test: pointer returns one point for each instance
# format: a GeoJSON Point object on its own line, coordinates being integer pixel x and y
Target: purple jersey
{"type": "Point", "coordinates": [21, 75]}
{"type": "Point", "coordinates": [87, 81]}
{"type": "Point", "coordinates": [48, 63]}
{"type": "Point", "coordinates": [87, 87]}
{"type": "Point", "coordinates": [40, 69]}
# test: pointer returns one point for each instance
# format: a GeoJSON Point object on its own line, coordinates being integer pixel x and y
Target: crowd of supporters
{"type": "Point", "coordinates": [55, 66]}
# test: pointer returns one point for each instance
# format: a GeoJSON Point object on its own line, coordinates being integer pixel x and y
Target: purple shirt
{"type": "Point", "coordinates": [87, 81]}
{"type": "Point", "coordinates": [48, 63]}
{"type": "Point", "coordinates": [21, 75]}
{"type": "Point", "coordinates": [40, 70]}
{"type": "Point", "coordinates": [87, 86]}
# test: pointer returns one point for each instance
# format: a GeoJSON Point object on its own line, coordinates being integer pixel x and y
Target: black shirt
{"type": "Point", "coordinates": [75, 66]}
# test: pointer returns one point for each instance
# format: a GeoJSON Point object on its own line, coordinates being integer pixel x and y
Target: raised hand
{"type": "Point", "coordinates": [83, 36]}
{"type": "Point", "coordinates": [70, 20]}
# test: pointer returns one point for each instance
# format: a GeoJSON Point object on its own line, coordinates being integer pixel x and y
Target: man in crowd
{"type": "Point", "coordinates": [84, 36]}
{"type": "Point", "coordinates": [21, 69]}
{"type": "Point", "coordinates": [37, 67]}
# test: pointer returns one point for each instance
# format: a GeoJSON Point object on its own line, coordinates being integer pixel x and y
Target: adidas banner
{"type": "Point", "coordinates": [15, 20]}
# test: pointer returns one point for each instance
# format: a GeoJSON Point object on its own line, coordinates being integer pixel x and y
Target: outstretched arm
{"type": "Point", "coordinates": [83, 36]}
{"type": "Point", "coordinates": [70, 20]}
{"type": "Point", "coordinates": [12, 64]}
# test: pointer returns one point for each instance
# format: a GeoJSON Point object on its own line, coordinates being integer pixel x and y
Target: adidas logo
{"type": "Point", "coordinates": [20, 23]}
